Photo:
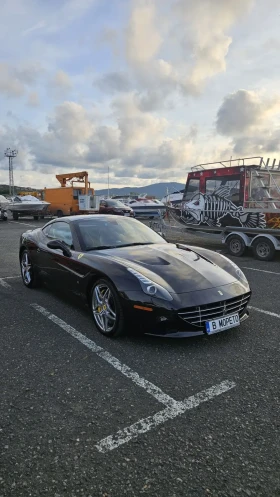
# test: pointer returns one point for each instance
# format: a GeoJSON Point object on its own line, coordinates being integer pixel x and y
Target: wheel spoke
{"type": "Point", "coordinates": [111, 313]}
{"type": "Point", "coordinates": [105, 321]}
{"type": "Point", "coordinates": [103, 308]}
{"type": "Point", "coordinates": [98, 295]}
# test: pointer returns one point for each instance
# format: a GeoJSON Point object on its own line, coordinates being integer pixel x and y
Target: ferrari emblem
{"type": "Point", "coordinates": [80, 256]}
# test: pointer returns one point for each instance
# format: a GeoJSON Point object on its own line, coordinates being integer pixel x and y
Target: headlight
{"type": "Point", "coordinates": [150, 287]}
{"type": "Point", "coordinates": [240, 275]}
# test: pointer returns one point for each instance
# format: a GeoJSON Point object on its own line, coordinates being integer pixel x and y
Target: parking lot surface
{"type": "Point", "coordinates": [83, 415]}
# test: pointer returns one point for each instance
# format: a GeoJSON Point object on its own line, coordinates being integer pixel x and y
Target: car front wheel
{"type": "Point", "coordinates": [29, 276]}
{"type": "Point", "coordinates": [106, 309]}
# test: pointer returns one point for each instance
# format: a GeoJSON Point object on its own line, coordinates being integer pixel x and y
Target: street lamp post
{"type": "Point", "coordinates": [11, 154]}
{"type": "Point", "coordinates": [108, 181]}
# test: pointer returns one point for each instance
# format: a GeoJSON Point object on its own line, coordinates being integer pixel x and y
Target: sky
{"type": "Point", "coordinates": [146, 88]}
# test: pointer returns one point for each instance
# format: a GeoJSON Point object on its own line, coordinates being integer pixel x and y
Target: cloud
{"type": "Point", "coordinates": [177, 46]}
{"type": "Point", "coordinates": [113, 82]}
{"type": "Point", "coordinates": [137, 145]}
{"type": "Point", "coordinates": [33, 99]}
{"type": "Point", "coordinates": [14, 79]}
{"type": "Point", "coordinates": [61, 81]}
{"type": "Point", "coordinates": [143, 39]}
{"type": "Point", "coordinates": [251, 120]}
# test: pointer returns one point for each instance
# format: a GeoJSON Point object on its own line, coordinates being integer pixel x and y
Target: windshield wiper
{"type": "Point", "coordinates": [135, 244]}
{"type": "Point", "coordinates": [101, 247]}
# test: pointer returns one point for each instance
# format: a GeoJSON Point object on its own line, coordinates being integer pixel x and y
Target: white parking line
{"type": "Point", "coordinates": [10, 277]}
{"type": "Point", "coordinates": [146, 424]}
{"type": "Point", "coordinates": [4, 283]}
{"type": "Point", "coordinates": [273, 314]}
{"type": "Point", "coordinates": [25, 224]}
{"type": "Point", "coordinates": [152, 389]}
{"type": "Point", "coordinates": [260, 270]}
{"type": "Point", "coordinates": [173, 407]}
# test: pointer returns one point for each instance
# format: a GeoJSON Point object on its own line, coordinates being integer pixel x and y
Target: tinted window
{"type": "Point", "coordinates": [49, 231]}
{"type": "Point", "coordinates": [115, 203]}
{"type": "Point", "coordinates": [192, 187]}
{"type": "Point", "coordinates": [61, 231]}
{"type": "Point", "coordinates": [213, 184]}
{"type": "Point", "coordinates": [115, 232]}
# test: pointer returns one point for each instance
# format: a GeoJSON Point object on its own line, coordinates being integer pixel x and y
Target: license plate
{"type": "Point", "coordinates": [223, 323]}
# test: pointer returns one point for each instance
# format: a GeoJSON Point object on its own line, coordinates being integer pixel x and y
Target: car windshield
{"type": "Point", "coordinates": [99, 233]}
{"type": "Point", "coordinates": [115, 203]}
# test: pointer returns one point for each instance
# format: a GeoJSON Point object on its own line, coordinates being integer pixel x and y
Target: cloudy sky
{"type": "Point", "coordinates": [146, 87]}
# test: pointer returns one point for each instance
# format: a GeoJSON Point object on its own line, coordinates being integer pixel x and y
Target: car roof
{"type": "Point", "coordinates": [76, 219]}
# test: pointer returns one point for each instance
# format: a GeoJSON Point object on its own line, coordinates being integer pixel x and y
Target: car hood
{"type": "Point", "coordinates": [181, 269]}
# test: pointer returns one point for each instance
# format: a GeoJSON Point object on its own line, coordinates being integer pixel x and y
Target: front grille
{"type": "Point", "coordinates": [200, 314]}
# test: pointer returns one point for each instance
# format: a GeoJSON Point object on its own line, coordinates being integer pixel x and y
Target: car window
{"type": "Point", "coordinates": [61, 231]}
{"type": "Point", "coordinates": [49, 231]}
{"type": "Point", "coordinates": [114, 232]}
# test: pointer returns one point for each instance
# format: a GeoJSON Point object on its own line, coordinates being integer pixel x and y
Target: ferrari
{"type": "Point", "coordinates": [132, 278]}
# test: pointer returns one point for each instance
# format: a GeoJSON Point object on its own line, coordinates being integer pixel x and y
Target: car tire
{"type": "Point", "coordinates": [29, 276]}
{"type": "Point", "coordinates": [59, 213]}
{"type": "Point", "coordinates": [36, 218]}
{"type": "Point", "coordinates": [15, 216]}
{"type": "Point", "coordinates": [236, 245]}
{"type": "Point", "coordinates": [263, 249]}
{"type": "Point", "coordinates": [106, 309]}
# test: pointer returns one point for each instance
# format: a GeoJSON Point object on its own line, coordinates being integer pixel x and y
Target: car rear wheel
{"type": "Point", "coordinates": [236, 245]}
{"type": "Point", "coordinates": [15, 216]}
{"type": "Point", "coordinates": [29, 275]}
{"type": "Point", "coordinates": [106, 309]}
{"type": "Point", "coordinates": [263, 249]}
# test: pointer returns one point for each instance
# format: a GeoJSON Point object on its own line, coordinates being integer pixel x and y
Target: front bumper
{"type": "Point", "coordinates": [165, 318]}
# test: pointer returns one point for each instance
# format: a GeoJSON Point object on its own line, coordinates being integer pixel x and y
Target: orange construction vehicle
{"type": "Point", "coordinates": [64, 200]}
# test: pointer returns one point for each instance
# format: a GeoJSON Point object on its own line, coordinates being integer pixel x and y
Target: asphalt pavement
{"type": "Point", "coordinates": [84, 415]}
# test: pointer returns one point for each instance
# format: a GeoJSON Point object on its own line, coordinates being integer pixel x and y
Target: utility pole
{"type": "Point", "coordinates": [11, 154]}
{"type": "Point", "coordinates": [108, 181]}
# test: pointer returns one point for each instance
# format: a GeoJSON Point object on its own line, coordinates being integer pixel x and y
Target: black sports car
{"type": "Point", "coordinates": [133, 278]}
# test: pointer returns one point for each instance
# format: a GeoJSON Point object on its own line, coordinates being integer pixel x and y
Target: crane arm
{"type": "Point", "coordinates": [79, 177]}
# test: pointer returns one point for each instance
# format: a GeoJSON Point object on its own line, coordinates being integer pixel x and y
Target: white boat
{"type": "Point", "coordinates": [3, 201]}
{"type": "Point", "coordinates": [173, 198]}
{"type": "Point", "coordinates": [144, 207]}
{"type": "Point", "coordinates": [27, 205]}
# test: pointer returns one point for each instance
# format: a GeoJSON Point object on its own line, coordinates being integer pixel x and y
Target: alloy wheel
{"type": "Point", "coordinates": [104, 307]}
{"type": "Point", "coordinates": [26, 269]}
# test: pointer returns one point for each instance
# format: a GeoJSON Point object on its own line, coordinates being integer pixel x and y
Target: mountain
{"type": "Point", "coordinates": [157, 189]}
{"type": "Point", "coordinates": [4, 189]}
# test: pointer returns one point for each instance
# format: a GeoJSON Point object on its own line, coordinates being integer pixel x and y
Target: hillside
{"type": "Point", "coordinates": [157, 189]}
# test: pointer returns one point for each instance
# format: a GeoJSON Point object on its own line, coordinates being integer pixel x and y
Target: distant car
{"type": "Point", "coordinates": [116, 207]}
{"type": "Point", "coordinates": [132, 278]}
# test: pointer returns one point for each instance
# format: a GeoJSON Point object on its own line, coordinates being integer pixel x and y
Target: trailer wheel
{"type": "Point", "coordinates": [15, 216]}
{"type": "Point", "coordinates": [263, 249]}
{"type": "Point", "coordinates": [236, 245]}
{"type": "Point", "coordinates": [59, 213]}
{"type": "Point", "coordinates": [36, 218]}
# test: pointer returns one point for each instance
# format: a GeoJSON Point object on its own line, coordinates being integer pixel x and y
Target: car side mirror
{"type": "Point", "coordinates": [59, 245]}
